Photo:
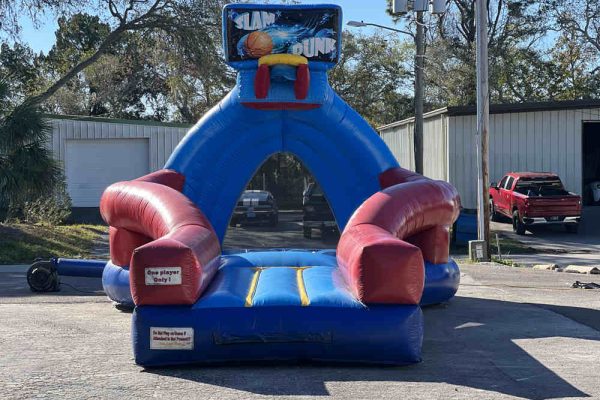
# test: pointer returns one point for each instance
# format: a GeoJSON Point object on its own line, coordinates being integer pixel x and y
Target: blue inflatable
{"type": "Point", "coordinates": [318, 320]}
{"type": "Point", "coordinates": [357, 303]}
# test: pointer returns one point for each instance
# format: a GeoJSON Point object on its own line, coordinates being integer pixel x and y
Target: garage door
{"type": "Point", "coordinates": [92, 165]}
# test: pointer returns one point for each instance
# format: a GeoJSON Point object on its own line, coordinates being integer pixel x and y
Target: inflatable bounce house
{"type": "Point", "coordinates": [360, 302]}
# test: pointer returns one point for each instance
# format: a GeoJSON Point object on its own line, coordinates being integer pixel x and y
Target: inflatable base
{"type": "Point", "coordinates": [441, 282]}
{"type": "Point", "coordinates": [285, 305]}
{"type": "Point", "coordinates": [389, 335]}
{"type": "Point", "coordinates": [115, 281]}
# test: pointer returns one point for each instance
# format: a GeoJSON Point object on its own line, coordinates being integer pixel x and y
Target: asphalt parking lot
{"type": "Point", "coordinates": [509, 333]}
{"type": "Point", "coordinates": [554, 245]}
{"type": "Point", "coordinates": [287, 234]}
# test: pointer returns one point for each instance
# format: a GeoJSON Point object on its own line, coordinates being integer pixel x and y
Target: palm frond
{"type": "Point", "coordinates": [27, 174]}
{"type": "Point", "coordinates": [3, 89]}
{"type": "Point", "coordinates": [23, 126]}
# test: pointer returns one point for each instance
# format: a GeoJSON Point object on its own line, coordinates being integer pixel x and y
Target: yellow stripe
{"type": "Point", "coordinates": [301, 288]}
{"type": "Point", "coordinates": [252, 288]}
{"type": "Point", "coordinates": [289, 59]}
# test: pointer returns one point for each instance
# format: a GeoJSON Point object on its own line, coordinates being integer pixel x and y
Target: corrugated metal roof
{"type": "Point", "coordinates": [527, 107]}
{"type": "Point", "coordinates": [118, 121]}
{"type": "Point", "coordinates": [503, 109]}
{"type": "Point", "coordinates": [429, 114]}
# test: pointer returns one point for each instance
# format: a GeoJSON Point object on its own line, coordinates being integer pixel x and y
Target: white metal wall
{"type": "Point", "coordinates": [548, 141]}
{"type": "Point", "coordinates": [400, 140]}
{"type": "Point", "coordinates": [162, 139]}
{"type": "Point", "coordinates": [435, 140]}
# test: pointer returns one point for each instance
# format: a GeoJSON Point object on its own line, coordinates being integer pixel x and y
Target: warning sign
{"type": "Point", "coordinates": [163, 276]}
{"type": "Point", "coordinates": [171, 338]}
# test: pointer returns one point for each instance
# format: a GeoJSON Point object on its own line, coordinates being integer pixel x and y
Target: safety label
{"type": "Point", "coordinates": [171, 338]}
{"type": "Point", "coordinates": [163, 276]}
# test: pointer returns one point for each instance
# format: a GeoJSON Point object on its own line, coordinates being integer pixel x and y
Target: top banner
{"type": "Point", "coordinates": [253, 31]}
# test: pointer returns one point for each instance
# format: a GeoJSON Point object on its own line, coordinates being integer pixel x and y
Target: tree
{"type": "Point", "coordinates": [192, 61]}
{"type": "Point", "coordinates": [580, 17]}
{"type": "Point", "coordinates": [173, 72]}
{"type": "Point", "coordinates": [20, 70]}
{"type": "Point", "coordinates": [131, 16]}
{"type": "Point", "coordinates": [122, 83]}
{"type": "Point", "coordinates": [77, 38]}
{"type": "Point", "coordinates": [12, 10]}
{"type": "Point", "coordinates": [522, 75]}
{"type": "Point", "coordinates": [372, 75]}
{"type": "Point", "coordinates": [577, 50]}
{"type": "Point", "coordinates": [285, 177]}
{"type": "Point", "coordinates": [27, 169]}
{"type": "Point", "coordinates": [158, 59]}
{"type": "Point", "coordinates": [574, 69]}
{"type": "Point", "coordinates": [514, 29]}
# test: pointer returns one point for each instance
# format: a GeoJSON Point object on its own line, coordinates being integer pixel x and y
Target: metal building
{"type": "Point", "coordinates": [561, 137]}
{"type": "Point", "coordinates": [97, 152]}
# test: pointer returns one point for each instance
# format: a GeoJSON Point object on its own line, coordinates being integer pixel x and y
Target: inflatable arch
{"type": "Point", "coordinates": [357, 303]}
{"type": "Point", "coordinates": [221, 153]}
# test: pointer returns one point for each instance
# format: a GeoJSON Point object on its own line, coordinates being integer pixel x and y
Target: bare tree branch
{"type": "Point", "coordinates": [156, 16]}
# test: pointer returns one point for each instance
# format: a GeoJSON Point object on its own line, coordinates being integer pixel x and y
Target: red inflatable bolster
{"type": "Point", "coordinates": [192, 248]}
{"type": "Point", "coordinates": [434, 244]}
{"type": "Point", "coordinates": [394, 176]}
{"type": "Point", "coordinates": [419, 211]}
{"type": "Point", "coordinates": [409, 208]}
{"type": "Point", "coordinates": [122, 242]}
{"type": "Point", "coordinates": [148, 208]}
{"type": "Point", "coordinates": [167, 177]}
{"type": "Point", "coordinates": [183, 247]}
{"type": "Point", "coordinates": [380, 268]}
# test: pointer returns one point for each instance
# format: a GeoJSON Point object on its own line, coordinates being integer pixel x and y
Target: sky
{"type": "Point", "coordinates": [42, 38]}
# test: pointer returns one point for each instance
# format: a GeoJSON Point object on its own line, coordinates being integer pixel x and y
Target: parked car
{"type": "Point", "coordinates": [532, 198]}
{"type": "Point", "coordinates": [255, 206]}
{"type": "Point", "coordinates": [316, 213]}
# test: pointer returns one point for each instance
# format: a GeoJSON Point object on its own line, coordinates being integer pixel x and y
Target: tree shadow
{"type": "Point", "coordinates": [469, 342]}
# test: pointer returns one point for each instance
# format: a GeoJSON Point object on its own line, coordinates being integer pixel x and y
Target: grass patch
{"type": "Point", "coordinates": [23, 243]}
{"type": "Point", "coordinates": [508, 246]}
{"type": "Point", "coordinates": [505, 261]}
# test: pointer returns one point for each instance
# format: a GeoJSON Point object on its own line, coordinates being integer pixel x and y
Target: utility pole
{"type": "Point", "coordinates": [483, 122]}
{"type": "Point", "coordinates": [419, 85]}
{"type": "Point", "coordinates": [419, 7]}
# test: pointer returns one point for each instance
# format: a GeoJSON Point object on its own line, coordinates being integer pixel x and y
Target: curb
{"type": "Point", "coordinates": [547, 267]}
{"type": "Point", "coordinates": [14, 268]}
{"type": "Point", "coordinates": [581, 269]}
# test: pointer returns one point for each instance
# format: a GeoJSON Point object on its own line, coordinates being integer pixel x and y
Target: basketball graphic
{"type": "Point", "coordinates": [258, 44]}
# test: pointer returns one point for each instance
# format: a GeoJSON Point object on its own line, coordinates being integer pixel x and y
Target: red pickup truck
{"type": "Point", "coordinates": [531, 198]}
